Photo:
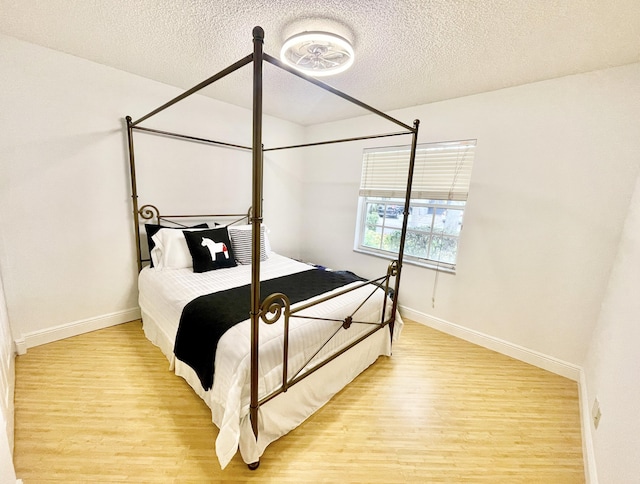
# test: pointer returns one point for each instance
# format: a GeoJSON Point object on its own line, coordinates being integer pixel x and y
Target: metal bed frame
{"type": "Point", "coordinates": [271, 308]}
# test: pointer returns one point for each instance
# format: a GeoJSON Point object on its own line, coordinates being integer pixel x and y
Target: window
{"type": "Point", "coordinates": [438, 198]}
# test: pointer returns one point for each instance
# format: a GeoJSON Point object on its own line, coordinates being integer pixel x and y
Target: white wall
{"type": "Point", "coordinates": [555, 166]}
{"type": "Point", "coordinates": [65, 206]}
{"type": "Point", "coordinates": [612, 365]}
{"type": "Point", "coordinates": [68, 255]}
{"type": "Point", "coordinates": [7, 385]}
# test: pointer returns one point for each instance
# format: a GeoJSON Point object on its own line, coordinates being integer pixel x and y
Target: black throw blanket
{"type": "Point", "coordinates": [205, 319]}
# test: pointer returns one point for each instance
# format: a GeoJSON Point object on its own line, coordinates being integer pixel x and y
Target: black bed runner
{"type": "Point", "coordinates": [205, 319]}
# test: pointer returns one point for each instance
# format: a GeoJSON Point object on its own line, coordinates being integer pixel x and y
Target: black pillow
{"type": "Point", "coordinates": [152, 229]}
{"type": "Point", "coordinates": [210, 249]}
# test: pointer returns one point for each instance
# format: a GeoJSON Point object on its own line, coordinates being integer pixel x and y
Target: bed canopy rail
{"type": "Point", "coordinates": [332, 90]}
{"type": "Point", "coordinates": [191, 138]}
{"type": "Point", "coordinates": [216, 77]}
{"type": "Point", "coordinates": [275, 303]}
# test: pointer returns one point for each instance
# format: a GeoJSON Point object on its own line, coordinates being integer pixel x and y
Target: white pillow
{"type": "Point", "coordinates": [171, 250]}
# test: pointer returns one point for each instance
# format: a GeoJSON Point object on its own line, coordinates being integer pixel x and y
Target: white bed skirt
{"type": "Point", "coordinates": [288, 410]}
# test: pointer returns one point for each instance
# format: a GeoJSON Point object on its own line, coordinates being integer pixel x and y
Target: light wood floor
{"type": "Point", "coordinates": [103, 407]}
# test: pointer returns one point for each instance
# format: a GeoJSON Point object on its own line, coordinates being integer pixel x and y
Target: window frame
{"type": "Point", "coordinates": [392, 255]}
{"type": "Point", "coordinates": [452, 202]}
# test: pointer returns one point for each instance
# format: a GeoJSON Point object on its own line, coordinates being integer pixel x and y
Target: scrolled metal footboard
{"type": "Point", "coordinates": [272, 308]}
{"type": "Point", "coordinates": [277, 305]}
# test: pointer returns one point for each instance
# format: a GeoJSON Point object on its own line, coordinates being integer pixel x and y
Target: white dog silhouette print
{"type": "Point", "coordinates": [215, 248]}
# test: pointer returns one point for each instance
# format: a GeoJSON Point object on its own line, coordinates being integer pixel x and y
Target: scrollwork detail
{"type": "Point", "coordinates": [149, 212]}
{"type": "Point", "coordinates": [272, 307]}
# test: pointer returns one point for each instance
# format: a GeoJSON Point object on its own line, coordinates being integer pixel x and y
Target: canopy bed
{"type": "Point", "coordinates": [262, 364]}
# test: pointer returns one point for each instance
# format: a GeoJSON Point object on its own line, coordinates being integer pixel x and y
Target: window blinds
{"type": "Point", "coordinates": [442, 171]}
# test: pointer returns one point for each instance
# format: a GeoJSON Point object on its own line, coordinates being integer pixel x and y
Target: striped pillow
{"type": "Point", "coordinates": [241, 243]}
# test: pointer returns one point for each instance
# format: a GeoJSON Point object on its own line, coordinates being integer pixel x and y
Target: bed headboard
{"type": "Point", "coordinates": [150, 214]}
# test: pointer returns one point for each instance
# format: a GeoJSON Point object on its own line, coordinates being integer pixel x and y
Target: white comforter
{"type": "Point", "coordinates": [163, 295]}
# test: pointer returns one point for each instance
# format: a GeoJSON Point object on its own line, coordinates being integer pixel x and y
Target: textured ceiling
{"type": "Point", "coordinates": [408, 52]}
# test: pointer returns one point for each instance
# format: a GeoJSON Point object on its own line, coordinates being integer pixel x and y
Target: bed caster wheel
{"type": "Point", "coordinates": [253, 466]}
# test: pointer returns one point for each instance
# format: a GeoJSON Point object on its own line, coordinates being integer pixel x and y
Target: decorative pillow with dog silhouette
{"type": "Point", "coordinates": [210, 249]}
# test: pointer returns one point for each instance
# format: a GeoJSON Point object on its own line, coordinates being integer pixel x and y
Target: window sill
{"type": "Point", "coordinates": [407, 260]}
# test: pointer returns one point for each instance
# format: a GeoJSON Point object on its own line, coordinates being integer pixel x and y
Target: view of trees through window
{"type": "Point", "coordinates": [433, 228]}
{"type": "Point", "coordinates": [441, 176]}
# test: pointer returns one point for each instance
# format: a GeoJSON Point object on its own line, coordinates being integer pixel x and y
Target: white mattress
{"type": "Point", "coordinates": [163, 295]}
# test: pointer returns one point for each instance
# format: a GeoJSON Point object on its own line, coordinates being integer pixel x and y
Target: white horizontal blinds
{"type": "Point", "coordinates": [384, 172]}
{"type": "Point", "coordinates": [442, 171]}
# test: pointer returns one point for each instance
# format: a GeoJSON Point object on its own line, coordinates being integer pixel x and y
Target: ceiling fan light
{"type": "Point", "coordinates": [317, 53]}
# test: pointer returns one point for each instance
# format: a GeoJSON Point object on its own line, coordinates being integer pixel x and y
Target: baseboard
{"type": "Point", "coordinates": [49, 335]}
{"type": "Point", "coordinates": [549, 363]}
{"type": "Point", "coordinates": [588, 452]}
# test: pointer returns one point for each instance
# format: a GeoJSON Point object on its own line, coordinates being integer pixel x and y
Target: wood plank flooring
{"type": "Point", "coordinates": [103, 407]}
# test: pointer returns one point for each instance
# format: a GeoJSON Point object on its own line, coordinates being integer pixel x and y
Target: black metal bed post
{"type": "Point", "coordinates": [134, 190]}
{"type": "Point", "coordinates": [256, 220]}
{"type": "Point", "coordinates": [405, 222]}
